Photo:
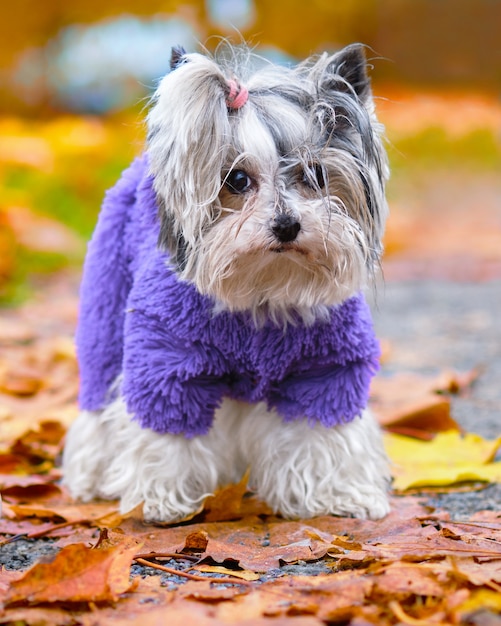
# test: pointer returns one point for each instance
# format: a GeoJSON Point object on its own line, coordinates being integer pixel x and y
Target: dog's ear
{"type": "Point", "coordinates": [188, 131]}
{"type": "Point", "coordinates": [344, 109]}
{"type": "Point", "coordinates": [177, 56]}
{"type": "Point", "coordinates": [350, 65]}
{"type": "Point", "coordinates": [342, 73]}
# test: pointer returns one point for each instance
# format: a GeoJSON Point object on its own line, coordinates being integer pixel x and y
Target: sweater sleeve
{"type": "Point", "coordinates": [331, 395]}
{"type": "Point", "coordinates": [330, 382]}
{"type": "Point", "coordinates": [105, 285]}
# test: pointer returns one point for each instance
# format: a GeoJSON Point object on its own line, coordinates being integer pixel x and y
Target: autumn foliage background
{"type": "Point", "coordinates": [76, 77]}
{"type": "Point", "coordinates": [72, 101]}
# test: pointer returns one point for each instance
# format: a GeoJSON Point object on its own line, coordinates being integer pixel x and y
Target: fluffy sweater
{"type": "Point", "coordinates": [179, 359]}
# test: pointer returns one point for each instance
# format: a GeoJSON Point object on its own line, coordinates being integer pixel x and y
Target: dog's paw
{"type": "Point", "coordinates": [83, 460]}
{"type": "Point", "coordinates": [371, 505]}
{"type": "Point", "coordinates": [300, 498]}
{"type": "Point", "coordinates": [163, 512]}
{"type": "Point", "coordinates": [304, 471]}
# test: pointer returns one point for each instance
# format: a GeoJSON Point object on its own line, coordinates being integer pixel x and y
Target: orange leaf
{"type": "Point", "coordinates": [409, 404]}
{"type": "Point", "coordinates": [78, 574]}
{"type": "Point", "coordinates": [34, 491]}
{"type": "Point", "coordinates": [229, 503]}
{"type": "Point", "coordinates": [226, 504]}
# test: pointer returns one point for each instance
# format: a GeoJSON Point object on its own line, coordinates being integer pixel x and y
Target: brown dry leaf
{"type": "Point", "coordinates": [38, 448]}
{"type": "Point", "coordinates": [490, 518]}
{"type": "Point", "coordinates": [457, 382]}
{"type": "Point", "coordinates": [80, 512]}
{"type": "Point", "coordinates": [13, 463]}
{"type": "Point", "coordinates": [258, 544]}
{"type": "Point", "coordinates": [401, 580]}
{"type": "Point", "coordinates": [429, 542]}
{"type": "Point", "coordinates": [208, 592]}
{"type": "Point", "coordinates": [484, 529]}
{"type": "Point", "coordinates": [78, 574]}
{"type": "Point", "coordinates": [7, 577]}
{"type": "Point", "coordinates": [35, 616]}
{"type": "Point", "coordinates": [269, 547]}
{"type": "Point", "coordinates": [219, 569]}
{"type": "Point", "coordinates": [318, 599]}
{"type": "Point", "coordinates": [476, 573]}
{"type": "Point", "coordinates": [233, 502]}
{"type": "Point", "coordinates": [23, 381]}
{"type": "Point", "coordinates": [196, 541]}
{"type": "Point", "coordinates": [226, 503]}
{"type": "Point", "coordinates": [251, 543]}
{"type": "Point", "coordinates": [50, 432]}
{"type": "Point", "coordinates": [153, 605]}
{"type": "Point", "coordinates": [38, 383]}
{"type": "Point", "coordinates": [26, 480]}
{"type": "Point", "coordinates": [32, 492]}
{"type": "Point", "coordinates": [409, 404]}
{"type": "Point", "coordinates": [331, 598]}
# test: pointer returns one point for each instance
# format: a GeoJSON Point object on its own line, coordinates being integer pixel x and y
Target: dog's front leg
{"type": "Point", "coordinates": [109, 455]}
{"type": "Point", "coordinates": [302, 470]}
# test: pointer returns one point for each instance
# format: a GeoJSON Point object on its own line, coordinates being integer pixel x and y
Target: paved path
{"type": "Point", "coordinates": [435, 325]}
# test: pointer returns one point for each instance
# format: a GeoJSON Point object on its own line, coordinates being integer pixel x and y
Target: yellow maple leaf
{"type": "Point", "coordinates": [480, 599]}
{"type": "Point", "coordinates": [448, 459]}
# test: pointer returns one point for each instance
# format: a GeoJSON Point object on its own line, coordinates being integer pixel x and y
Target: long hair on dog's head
{"type": "Point", "coordinates": [270, 181]}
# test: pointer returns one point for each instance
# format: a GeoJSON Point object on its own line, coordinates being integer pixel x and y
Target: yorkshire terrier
{"type": "Point", "coordinates": [222, 323]}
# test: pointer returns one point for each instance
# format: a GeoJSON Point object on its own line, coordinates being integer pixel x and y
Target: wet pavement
{"type": "Point", "coordinates": [436, 325]}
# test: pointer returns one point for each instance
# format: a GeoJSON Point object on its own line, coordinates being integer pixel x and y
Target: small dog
{"type": "Point", "coordinates": [222, 324]}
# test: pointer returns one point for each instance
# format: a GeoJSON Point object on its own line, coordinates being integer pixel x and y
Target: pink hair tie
{"type": "Point", "coordinates": [238, 95]}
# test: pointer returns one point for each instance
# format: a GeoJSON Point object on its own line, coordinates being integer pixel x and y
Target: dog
{"type": "Point", "coordinates": [222, 324]}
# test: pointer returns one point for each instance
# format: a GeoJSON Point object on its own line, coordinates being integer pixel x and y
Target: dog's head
{"type": "Point", "coordinates": [270, 182]}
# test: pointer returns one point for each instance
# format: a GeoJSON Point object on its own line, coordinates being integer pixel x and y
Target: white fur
{"type": "Point", "coordinates": [300, 470]}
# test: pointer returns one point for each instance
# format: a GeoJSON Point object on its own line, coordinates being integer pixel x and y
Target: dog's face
{"type": "Point", "coordinates": [276, 207]}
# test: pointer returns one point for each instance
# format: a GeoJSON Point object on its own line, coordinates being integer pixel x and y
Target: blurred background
{"type": "Point", "coordinates": [76, 76]}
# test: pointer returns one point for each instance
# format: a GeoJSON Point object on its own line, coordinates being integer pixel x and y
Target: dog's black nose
{"type": "Point", "coordinates": [285, 228]}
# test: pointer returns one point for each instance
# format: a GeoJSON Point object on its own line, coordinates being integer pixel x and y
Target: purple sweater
{"type": "Point", "coordinates": [179, 359]}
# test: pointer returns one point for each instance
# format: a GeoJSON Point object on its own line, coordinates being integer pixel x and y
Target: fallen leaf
{"type": "Point", "coordinates": [208, 592]}
{"type": "Point", "coordinates": [218, 569]}
{"type": "Point", "coordinates": [196, 541]}
{"type": "Point", "coordinates": [233, 502]}
{"type": "Point", "coordinates": [401, 580]}
{"type": "Point", "coordinates": [21, 382]}
{"type": "Point", "coordinates": [479, 600]}
{"type": "Point", "coordinates": [35, 616]}
{"type": "Point", "coordinates": [226, 503]}
{"type": "Point", "coordinates": [476, 573]}
{"type": "Point", "coordinates": [31, 492]}
{"type": "Point", "coordinates": [457, 382]}
{"type": "Point", "coordinates": [450, 458]}
{"type": "Point", "coordinates": [78, 574]}
{"type": "Point", "coordinates": [409, 404]}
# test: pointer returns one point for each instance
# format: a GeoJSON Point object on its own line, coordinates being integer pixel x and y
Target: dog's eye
{"type": "Point", "coordinates": [314, 177]}
{"type": "Point", "coordinates": [238, 181]}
